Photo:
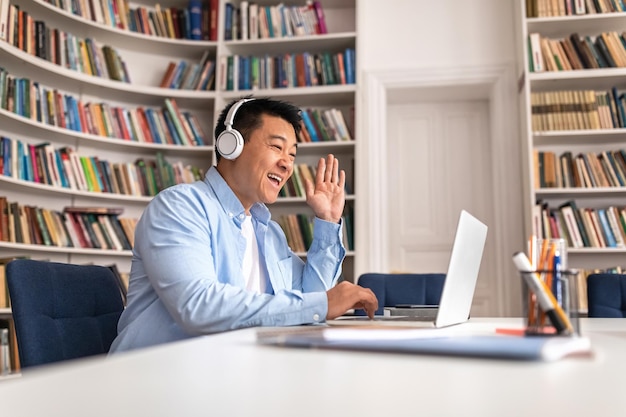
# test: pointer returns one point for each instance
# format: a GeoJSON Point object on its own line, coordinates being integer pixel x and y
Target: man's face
{"type": "Point", "coordinates": [266, 162]}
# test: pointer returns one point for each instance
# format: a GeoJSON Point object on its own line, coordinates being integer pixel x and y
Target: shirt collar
{"type": "Point", "coordinates": [229, 201]}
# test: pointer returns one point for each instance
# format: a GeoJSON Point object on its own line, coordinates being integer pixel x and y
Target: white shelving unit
{"type": "Point", "coordinates": [147, 58]}
{"type": "Point", "coordinates": [575, 141]}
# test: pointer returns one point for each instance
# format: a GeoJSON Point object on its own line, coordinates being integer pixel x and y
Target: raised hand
{"type": "Point", "coordinates": [327, 196]}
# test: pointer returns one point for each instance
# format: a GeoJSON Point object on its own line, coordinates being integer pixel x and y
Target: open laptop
{"type": "Point", "coordinates": [458, 288]}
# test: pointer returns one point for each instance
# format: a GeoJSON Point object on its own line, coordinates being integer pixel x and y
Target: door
{"type": "Point", "coordinates": [439, 160]}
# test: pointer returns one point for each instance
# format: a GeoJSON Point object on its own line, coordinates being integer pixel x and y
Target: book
{"type": "Point", "coordinates": [213, 19]}
{"type": "Point", "coordinates": [194, 8]}
{"type": "Point", "coordinates": [100, 233]}
{"type": "Point", "coordinates": [4, 219]}
{"type": "Point", "coordinates": [321, 19]}
{"type": "Point", "coordinates": [207, 77]}
{"type": "Point", "coordinates": [592, 225]}
{"type": "Point", "coordinates": [612, 215]}
{"type": "Point", "coordinates": [168, 75]}
{"type": "Point", "coordinates": [111, 235]}
{"type": "Point", "coordinates": [4, 20]}
{"type": "Point", "coordinates": [243, 13]}
{"type": "Point", "coordinates": [172, 109]}
{"type": "Point", "coordinates": [310, 127]}
{"type": "Point", "coordinates": [75, 231]}
{"type": "Point", "coordinates": [128, 225]}
{"type": "Point", "coordinates": [584, 237]}
{"type": "Point", "coordinates": [605, 228]}
{"type": "Point", "coordinates": [119, 232]}
{"type": "Point", "coordinates": [51, 227]}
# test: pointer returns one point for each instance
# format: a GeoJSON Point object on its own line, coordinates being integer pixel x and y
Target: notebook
{"type": "Point", "coordinates": [458, 288]}
{"type": "Point", "coordinates": [429, 342]}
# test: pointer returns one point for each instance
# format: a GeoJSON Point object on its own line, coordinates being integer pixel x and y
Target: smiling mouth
{"type": "Point", "coordinates": [275, 179]}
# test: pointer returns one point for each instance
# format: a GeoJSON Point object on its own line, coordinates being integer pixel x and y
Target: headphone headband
{"type": "Point", "coordinates": [230, 117]}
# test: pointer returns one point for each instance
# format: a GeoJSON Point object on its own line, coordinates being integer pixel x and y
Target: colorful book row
{"type": "Point", "coordinates": [96, 228]}
{"type": "Point", "coordinates": [184, 75]}
{"type": "Point", "coordinates": [43, 164]}
{"type": "Point", "coordinates": [252, 21]}
{"type": "Point", "coordinates": [294, 187]}
{"type": "Point", "coordinates": [324, 125]}
{"type": "Point", "coordinates": [605, 50]}
{"type": "Point", "coordinates": [37, 38]}
{"type": "Point", "coordinates": [168, 125]}
{"type": "Point", "coordinates": [581, 227]}
{"type": "Point", "coordinates": [578, 110]}
{"type": "Point", "coordinates": [584, 170]}
{"type": "Point", "coordinates": [191, 22]}
{"type": "Point", "coordinates": [239, 72]}
{"type": "Point", "coordinates": [548, 8]}
{"type": "Point", "coordinates": [298, 229]}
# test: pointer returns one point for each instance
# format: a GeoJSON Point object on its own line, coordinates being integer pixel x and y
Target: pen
{"type": "Point", "coordinates": [556, 281]}
{"type": "Point", "coordinates": [545, 298]}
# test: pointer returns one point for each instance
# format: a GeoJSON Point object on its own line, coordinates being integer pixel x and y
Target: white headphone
{"type": "Point", "coordinates": [230, 142]}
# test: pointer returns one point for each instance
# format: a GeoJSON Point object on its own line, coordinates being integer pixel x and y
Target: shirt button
{"type": "Point", "coordinates": [316, 317]}
{"type": "Point", "coordinates": [241, 216]}
{"type": "Point", "coordinates": [230, 215]}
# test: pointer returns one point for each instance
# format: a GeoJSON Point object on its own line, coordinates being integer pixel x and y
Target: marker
{"type": "Point", "coordinates": [545, 298]}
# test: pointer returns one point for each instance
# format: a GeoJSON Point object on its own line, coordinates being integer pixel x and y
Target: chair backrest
{"type": "Point", "coordinates": [393, 289]}
{"type": "Point", "coordinates": [62, 311]}
{"type": "Point", "coordinates": [606, 295]}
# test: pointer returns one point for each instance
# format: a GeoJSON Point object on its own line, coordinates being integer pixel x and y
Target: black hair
{"type": "Point", "coordinates": [248, 116]}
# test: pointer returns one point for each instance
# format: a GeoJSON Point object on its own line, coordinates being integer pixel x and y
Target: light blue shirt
{"type": "Point", "coordinates": [186, 276]}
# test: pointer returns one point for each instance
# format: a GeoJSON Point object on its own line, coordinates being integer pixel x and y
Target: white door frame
{"type": "Point", "coordinates": [371, 156]}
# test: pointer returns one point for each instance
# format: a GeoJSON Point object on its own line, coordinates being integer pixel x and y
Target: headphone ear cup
{"type": "Point", "coordinates": [229, 144]}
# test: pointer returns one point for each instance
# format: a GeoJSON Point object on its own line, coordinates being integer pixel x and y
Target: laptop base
{"type": "Point", "coordinates": [393, 321]}
{"type": "Point", "coordinates": [419, 312]}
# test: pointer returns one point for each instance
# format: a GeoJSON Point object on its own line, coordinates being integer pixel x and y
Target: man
{"type": "Point", "coordinates": [207, 257]}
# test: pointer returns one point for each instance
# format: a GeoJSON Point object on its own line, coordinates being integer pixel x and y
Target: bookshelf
{"type": "Point", "coordinates": [573, 129]}
{"type": "Point", "coordinates": [146, 58]}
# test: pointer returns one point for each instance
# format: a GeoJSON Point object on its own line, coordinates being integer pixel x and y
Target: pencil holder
{"type": "Point", "coordinates": [559, 315]}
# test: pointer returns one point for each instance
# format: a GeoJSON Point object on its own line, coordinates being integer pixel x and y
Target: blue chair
{"type": "Point", "coordinates": [62, 311]}
{"type": "Point", "coordinates": [606, 295]}
{"type": "Point", "coordinates": [394, 289]}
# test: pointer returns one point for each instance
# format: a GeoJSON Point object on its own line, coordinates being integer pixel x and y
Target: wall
{"type": "Point", "coordinates": [395, 34]}
{"type": "Point", "coordinates": [432, 38]}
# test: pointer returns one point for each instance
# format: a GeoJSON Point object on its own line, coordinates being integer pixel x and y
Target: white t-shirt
{"type": "Point", "coordinates": [252, 271]}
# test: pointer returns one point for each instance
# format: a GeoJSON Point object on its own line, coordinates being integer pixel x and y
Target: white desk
{"type": "Point", "coordinates": [230, 375]}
